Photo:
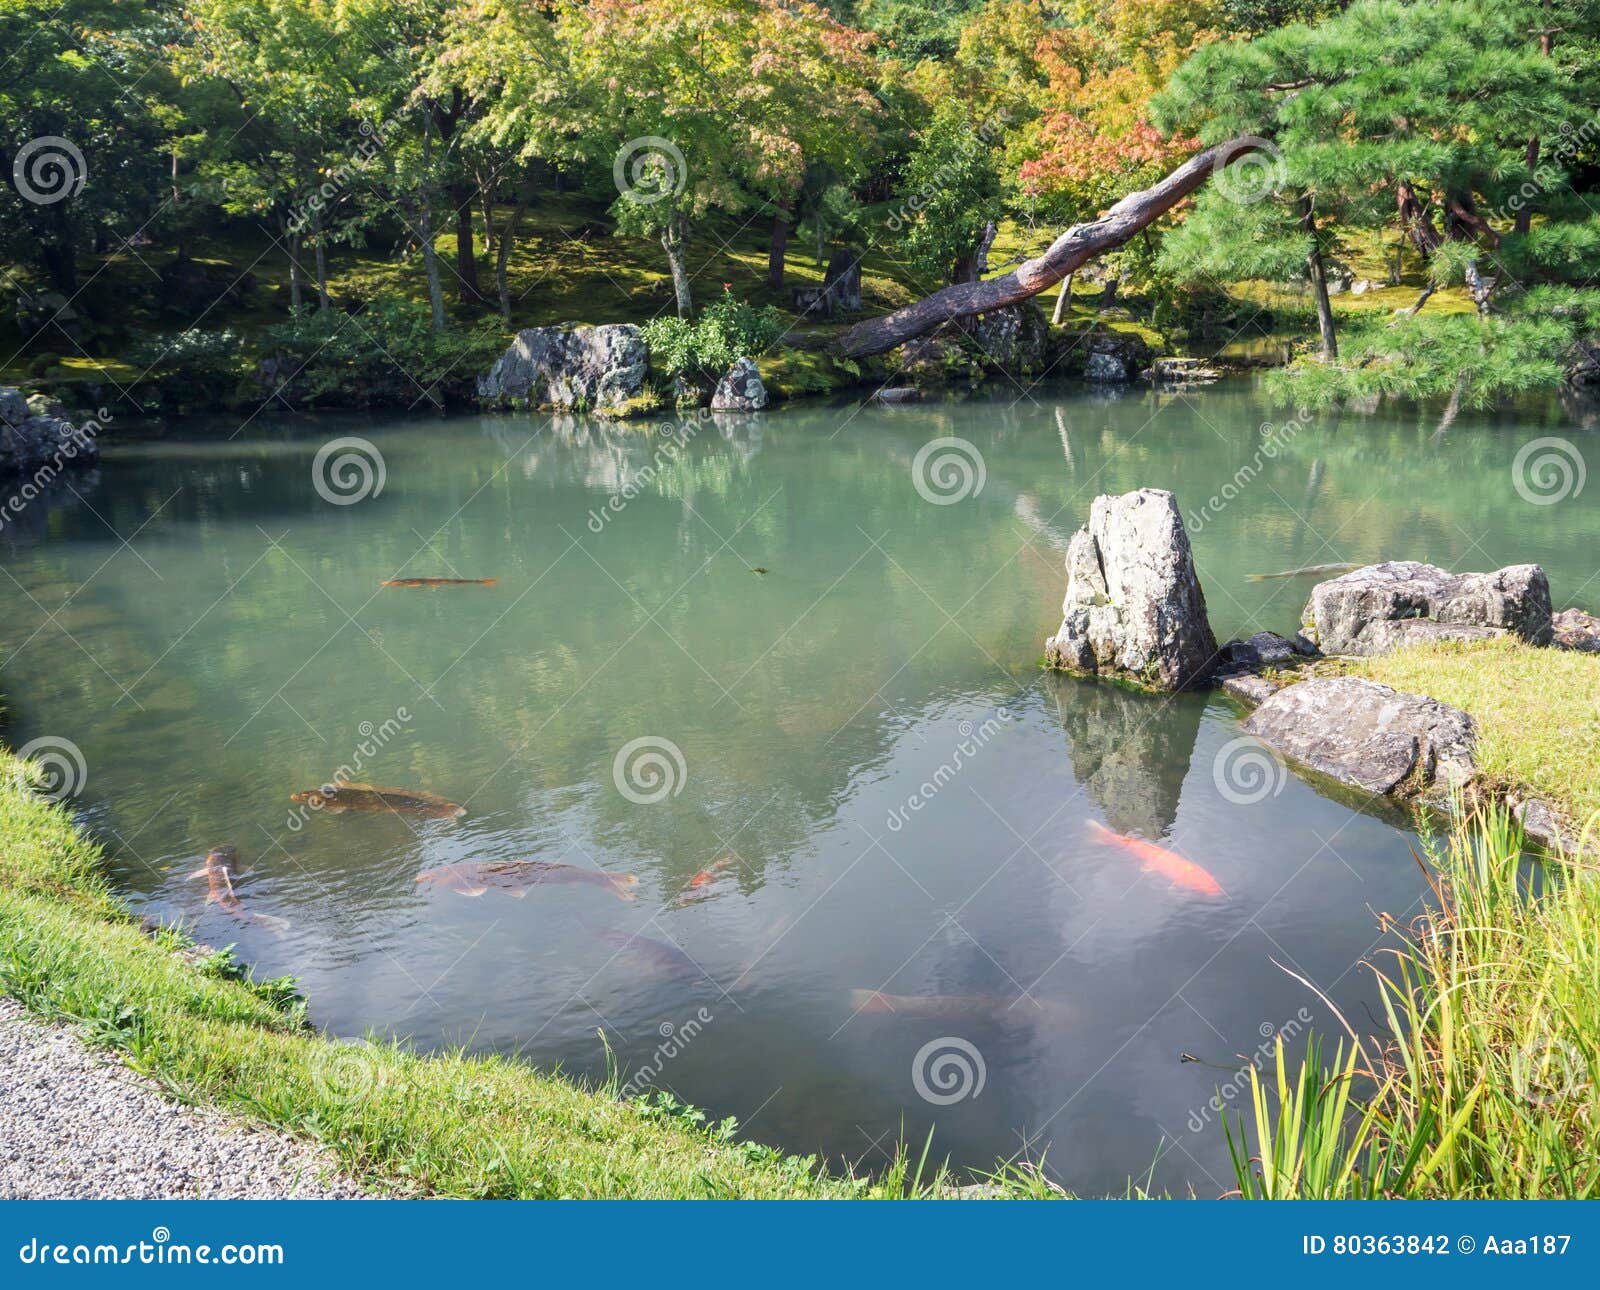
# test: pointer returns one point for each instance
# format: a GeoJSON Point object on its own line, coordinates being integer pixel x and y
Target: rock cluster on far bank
{"type": "Point", "coordinates": [594, 369]}
{"type": "Point", "coordinates": [35, 434]}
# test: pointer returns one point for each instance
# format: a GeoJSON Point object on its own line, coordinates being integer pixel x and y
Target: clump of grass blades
{"type": "Point", "coordinates": [1484, 1085]}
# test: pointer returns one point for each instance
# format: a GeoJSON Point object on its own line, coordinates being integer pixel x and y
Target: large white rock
{"type": "Point", "coordinates": [571, 368]}
{"type": "Point", "coordinates": [1134, 606]}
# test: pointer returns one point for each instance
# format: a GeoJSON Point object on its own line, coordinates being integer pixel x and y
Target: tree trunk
{"type": "Point", "coordinates": [673, 237]}
{"type": "Point", "coordinates": [295, 272]}
{"type": "Point", "coordinates": [487, 191]}
{"type": "Point", "coordinates": [1073, 248]}
{"type": "Point", "coordinates": [324, 301]}
{"type": "Point", "coordinates": [1108, 294]}
{"type": "Point", "coordinates": [60, 260]}
{"type": "Point", "coordinates": [1063, 299]}
{"type": "Point", "coordinates": [1416, 221]}
{"type": "Point", "coordinates": [467, 291]}
{"type": "Point", "coordinates": [508, 236]}
{"type": "Point", "coordinates": [777, 249]}
{"type": "Point", "coordinates": [980, 259]}
{"type": "Point", "coordinates": [1317, 272]}
{"type": "Point", "coordinates": [430, 256]}
{"type": "Point", "coordinates": [1524, 219]}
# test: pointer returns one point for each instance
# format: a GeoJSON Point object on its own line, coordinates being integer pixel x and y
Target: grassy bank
{"type": "Point", "coordinates": [449, 1125]}
{"type": "Point", "coordinates": [1538, 712]}
{"type": "Point", "coordinates": [1482, 1082]}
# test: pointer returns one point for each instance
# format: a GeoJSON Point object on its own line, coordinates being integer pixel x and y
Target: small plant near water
{"type": "Point", "coordinates": [704, 348]}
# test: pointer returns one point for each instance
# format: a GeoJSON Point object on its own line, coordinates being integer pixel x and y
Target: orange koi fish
{"type": "Point", "coordinates": [440, 582]}
{"type": "Point", "coordinates": [1153, 859]}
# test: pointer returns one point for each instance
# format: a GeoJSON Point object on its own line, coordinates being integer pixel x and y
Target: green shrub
{"type": "Point", "coordinates": [387, 355]}
{"type": "Point", "coordinates": [191, 369]}
{"type": "Point", "coordinates": [707, 346]}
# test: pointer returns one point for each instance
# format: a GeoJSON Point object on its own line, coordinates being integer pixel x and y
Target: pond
{"type": "Point", "coordinates": [799, 652]}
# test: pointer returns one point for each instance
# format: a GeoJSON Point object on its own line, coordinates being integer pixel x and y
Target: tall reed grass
{"type": "Point", "coordinates": [1481, 1082]}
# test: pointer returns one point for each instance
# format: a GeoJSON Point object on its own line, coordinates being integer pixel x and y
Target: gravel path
{"type": "Point", "coordinates": [76, 1125]}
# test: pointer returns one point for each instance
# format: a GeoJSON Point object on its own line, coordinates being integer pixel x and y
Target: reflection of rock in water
{"type": "Point", "coordinates": [1129, 751]}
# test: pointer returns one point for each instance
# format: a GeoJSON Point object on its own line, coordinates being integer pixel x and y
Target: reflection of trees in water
{"type": "Point", "coordinates": [1129, 751]}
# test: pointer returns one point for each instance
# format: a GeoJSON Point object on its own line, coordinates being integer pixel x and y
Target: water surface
{"type": "Point", "coordinates": [904, 799]}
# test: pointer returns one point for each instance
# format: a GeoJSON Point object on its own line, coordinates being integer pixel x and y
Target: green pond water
{"type": "Point", "coordinates": [915, 925]}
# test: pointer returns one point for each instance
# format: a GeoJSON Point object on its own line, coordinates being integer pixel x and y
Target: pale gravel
{"type": "Point", "coordinates": [76, 1124]}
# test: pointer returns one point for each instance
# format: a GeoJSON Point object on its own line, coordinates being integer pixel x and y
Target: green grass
{"type": "Point", "coordinates": [1538, 712]}
{"type": "Point", "coordinates": [447, 1125]}
{"type": "Point", "coordinates": [1484, 1081]}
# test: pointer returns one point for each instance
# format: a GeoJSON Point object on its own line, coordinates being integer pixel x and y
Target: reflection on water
{"type": "Point", "coordinates": [869, 900]}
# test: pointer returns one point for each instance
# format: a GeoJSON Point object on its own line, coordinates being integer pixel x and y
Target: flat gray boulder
{"type": "Point", "coordinates": [1134, 607]}
{"type": "Point", "coordinates": [1381, 607]}
{"type": "Point", "coordinates": [1369, 737]}
{"type": "Point", "coordinates": [592, 369]}
{"type": "Point", "coordinates": [740, 390]}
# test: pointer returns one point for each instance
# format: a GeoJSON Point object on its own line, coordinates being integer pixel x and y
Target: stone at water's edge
{"type": "Point", "coordinates": [1577, 630]}
{"type": "Point", "coordinates": [740, 390]}
{"type": "Point", "coordinates": [1401, 602]}
{"type": "Point", "coordinates": [30, 439]}
{"type": "Point", "coordinates": [1369, 737]}
{"type": "Point", "coordinates": [1134, 605]}
{"type": "Point", "coordinates": [593, 368]}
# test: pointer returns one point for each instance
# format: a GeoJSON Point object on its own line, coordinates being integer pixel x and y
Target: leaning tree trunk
{"type": "Point", "coordinates": [1317, 271]}
{"type": "Point", "coordinates": [673, 239]}
{"type": "Point", "coordinates": [778, 249]}
{"type": "Point", "coordinates": [1073, 248]}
